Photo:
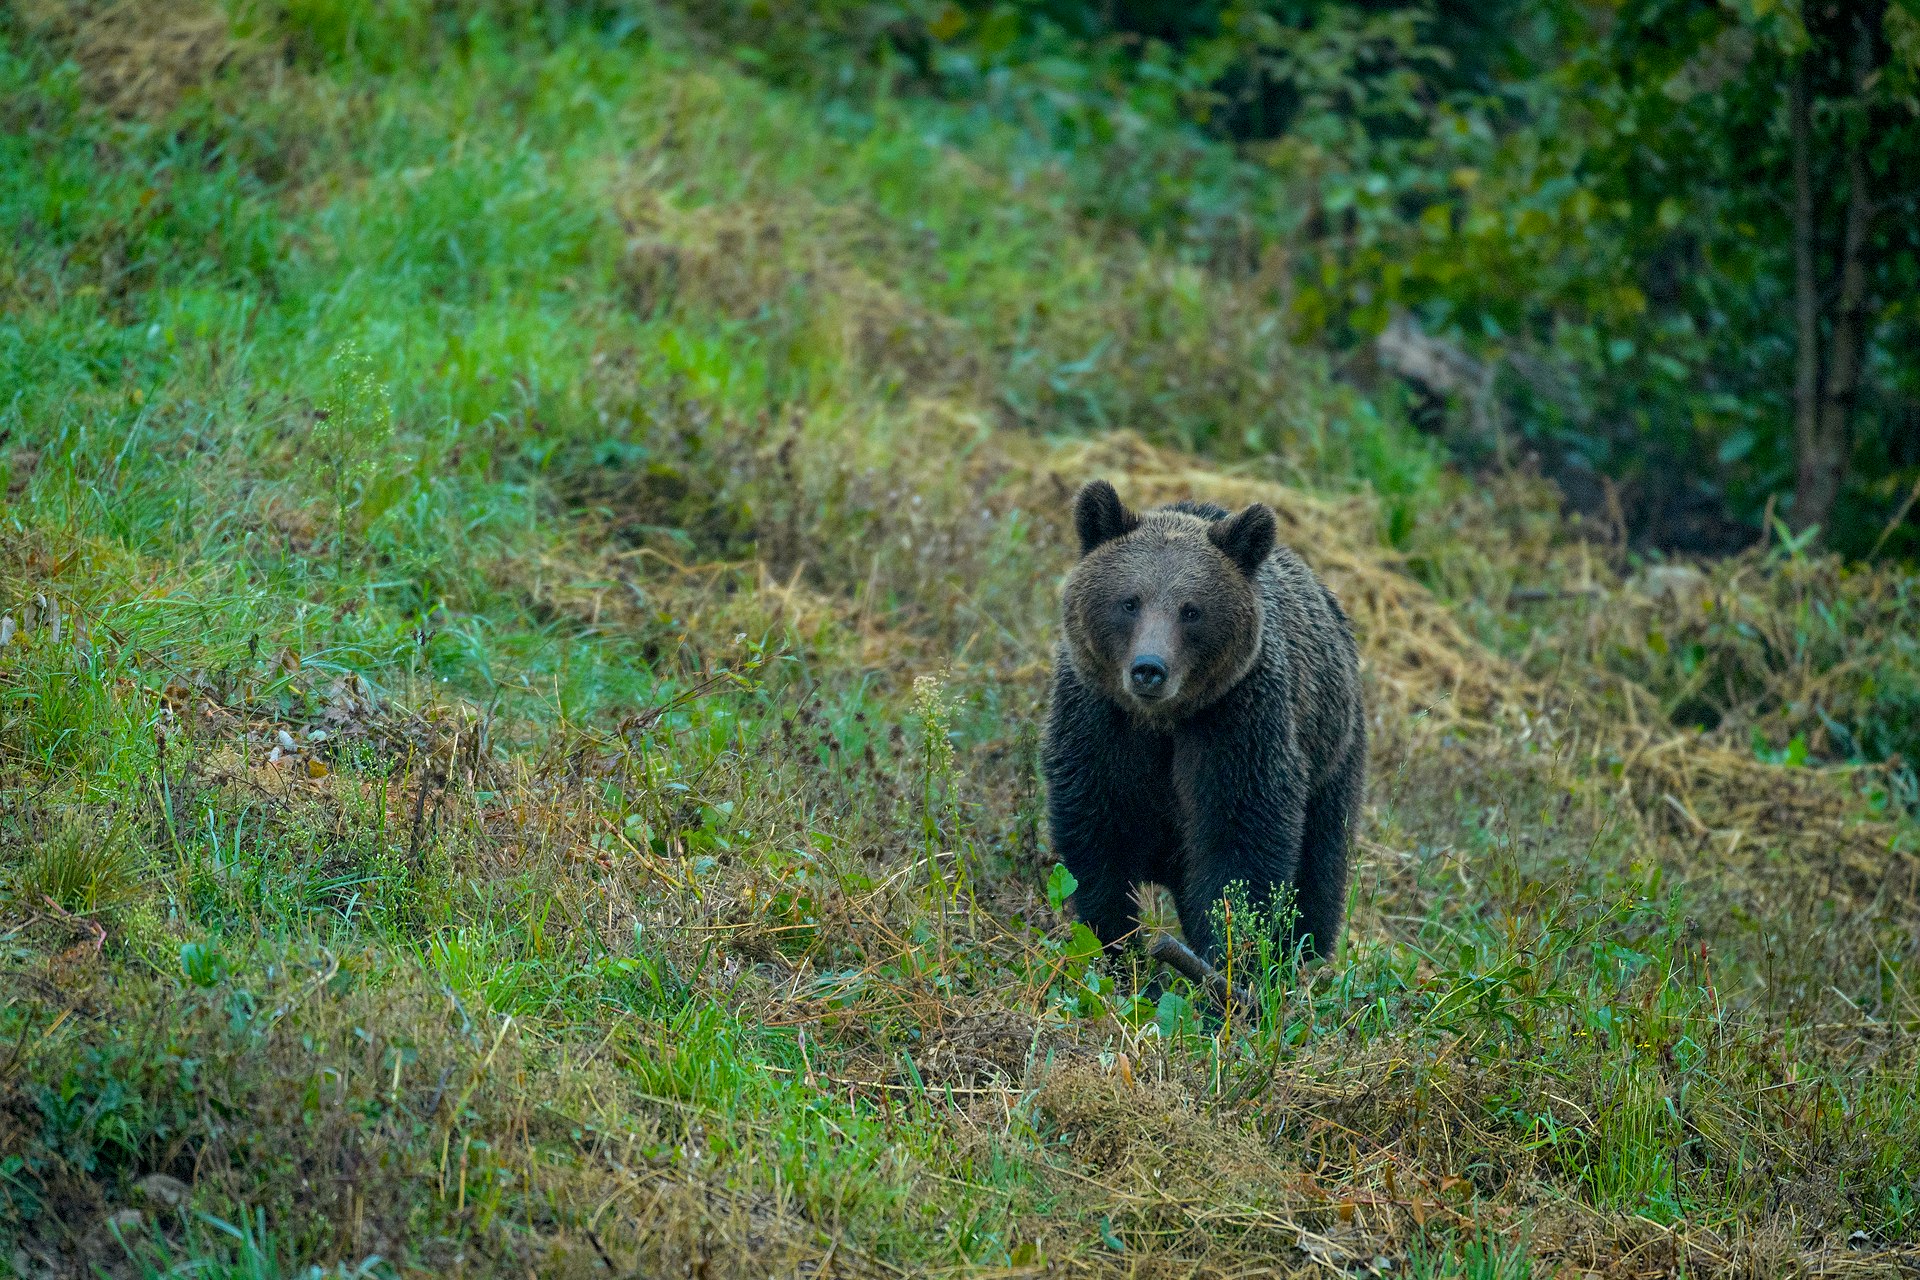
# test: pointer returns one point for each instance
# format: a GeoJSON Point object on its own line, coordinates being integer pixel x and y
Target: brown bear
{"type": "Point", "coordinates": [1206, 726]}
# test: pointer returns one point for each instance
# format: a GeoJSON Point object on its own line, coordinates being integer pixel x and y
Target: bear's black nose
{"type": "Point", "coordinates": [1147, 674]}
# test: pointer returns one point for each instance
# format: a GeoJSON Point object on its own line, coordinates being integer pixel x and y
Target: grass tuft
{"type": "Point", "coordinates": [78, 867]}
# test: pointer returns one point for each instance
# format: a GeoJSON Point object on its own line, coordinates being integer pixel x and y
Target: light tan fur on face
{"type": "Point", "coordinates": [1167, 563]}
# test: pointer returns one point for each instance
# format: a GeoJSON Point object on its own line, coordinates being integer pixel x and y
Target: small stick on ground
{"type": "Point", "coordinates": [1179, 957]}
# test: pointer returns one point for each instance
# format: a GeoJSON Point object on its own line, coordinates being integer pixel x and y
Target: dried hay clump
{"type": "Point", "coordinates": [993, 1046]}
{"type": "Point", "coordinates": [1725, 808]}
{"type": "Point", "coordinates": [1194, 1190]}
{"type": "Point", "coordinates": [735, 258]}
{"type": "Point", "coordinates": [669, 1226]}
{"type": "Point", "coordinates": [140, 58]}
{"type": "Point", "coordinates": [1147, 1131]}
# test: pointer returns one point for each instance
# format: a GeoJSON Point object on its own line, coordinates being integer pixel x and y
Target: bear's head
{"type": "Point", "coordinates": [1162, 613]}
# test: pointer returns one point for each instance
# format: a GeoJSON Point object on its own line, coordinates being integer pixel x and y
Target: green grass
{"type": "Point", "coordinates": [500, 479]}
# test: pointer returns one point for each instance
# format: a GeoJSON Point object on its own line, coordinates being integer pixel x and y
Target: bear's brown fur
{"type": "Point", "coordinates": [1206, 725]}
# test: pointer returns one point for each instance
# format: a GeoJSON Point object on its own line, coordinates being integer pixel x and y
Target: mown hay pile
{"type": "Point", "coordinates": [142, 57]}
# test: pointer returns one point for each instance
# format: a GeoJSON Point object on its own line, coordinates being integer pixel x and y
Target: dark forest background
{"type": "Point", "coordinates": [1664, 250]}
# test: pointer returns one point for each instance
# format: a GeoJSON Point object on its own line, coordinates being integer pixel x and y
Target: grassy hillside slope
{"type": "Point", "coordinates": [528, 568]}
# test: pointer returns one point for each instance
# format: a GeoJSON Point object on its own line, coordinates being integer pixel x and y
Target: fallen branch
{"type": "Point", "coordinates": [1179, 957]}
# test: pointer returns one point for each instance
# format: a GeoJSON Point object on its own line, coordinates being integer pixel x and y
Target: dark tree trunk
{"type": "Point", "coordinates": [1806, 298]}
{"type": "Point", "coordinates": [1824, 436]}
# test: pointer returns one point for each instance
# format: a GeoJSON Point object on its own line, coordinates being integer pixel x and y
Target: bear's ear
{"type": "Point", "coordinates": [1099, 515]}
{"type": "Point", "coordinates": [1246, 537]}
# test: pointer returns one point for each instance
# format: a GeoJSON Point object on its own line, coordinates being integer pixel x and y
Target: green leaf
{"type": "Point", "coordinates": [1173, 1015]}
{"type": "Point", "coordinates": [1083, 947]}
{"type": "Point", "coordinates": [1060, 886]}
{"type": "Point", "coordinates": [202, 963]}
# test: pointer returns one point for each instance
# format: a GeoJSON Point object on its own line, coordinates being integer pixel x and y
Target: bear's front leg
{"type": "Point", "coordinates": [1104, 900]}
{"type": "Point", "coordinates": [1244, 817]}
{"type": "Point", "coordinates": [1105, 804]}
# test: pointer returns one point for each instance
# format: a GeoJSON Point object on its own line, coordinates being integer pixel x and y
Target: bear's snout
{"type": "Point", "coordinates": [1148, 675]}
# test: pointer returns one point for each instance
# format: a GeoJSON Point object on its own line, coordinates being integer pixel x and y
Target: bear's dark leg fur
{"type": "Point", "coordinates": [1104, 901]}
{"type": "Point", "coordinates": [1244, 814]}
{"type": "Point", "coordinates": [1105, 805]}
{"type": "Point", "coordinates": [1321, 883]}
{"type": "Point", "coordinates": [1206, 887]}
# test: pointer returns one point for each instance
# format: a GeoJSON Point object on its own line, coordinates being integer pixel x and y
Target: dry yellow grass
{"type": "Point", "coordinates": [142, 57]}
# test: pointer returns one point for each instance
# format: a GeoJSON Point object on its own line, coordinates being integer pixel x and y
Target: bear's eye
{"type": "Point", "coordinates": [1131, 604]}
{"type": "Point", "coordinates": [1189, 613]}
